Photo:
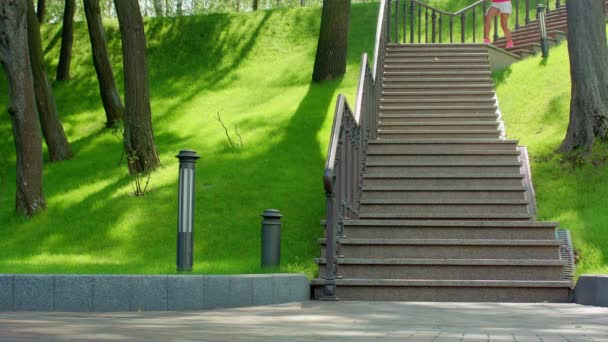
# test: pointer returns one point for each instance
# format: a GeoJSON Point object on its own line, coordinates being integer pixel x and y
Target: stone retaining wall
{"type": "Point", "coordinates": [115, 293]}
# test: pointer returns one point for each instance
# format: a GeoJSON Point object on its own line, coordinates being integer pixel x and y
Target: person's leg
{"type": "Point", "coordinates": [490, 14]}
{"type": "Point", "coordinates": [504, 22]}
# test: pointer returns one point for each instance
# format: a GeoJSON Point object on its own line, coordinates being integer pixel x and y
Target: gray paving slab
{"type": "Point", "coordinates": [322, 321]}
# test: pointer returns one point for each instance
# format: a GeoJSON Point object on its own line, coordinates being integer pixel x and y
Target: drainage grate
{"type": "Point", "coordinates": [566, 252]}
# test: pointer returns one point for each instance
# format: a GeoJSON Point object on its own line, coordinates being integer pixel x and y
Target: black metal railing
{"type": "Point", "coordinates": [414, 21]}
{"type": "Point", "coordinates": [345, 162]}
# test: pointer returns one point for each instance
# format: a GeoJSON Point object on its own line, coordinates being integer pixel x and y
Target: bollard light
{"type": "Point", "coordinates": [185, 210]}
{"type": "Point", "coordinates": [271, 238]}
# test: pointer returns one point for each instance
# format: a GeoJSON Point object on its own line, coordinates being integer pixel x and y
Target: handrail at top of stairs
{"type": "Point", "coordinates": [351, 130]}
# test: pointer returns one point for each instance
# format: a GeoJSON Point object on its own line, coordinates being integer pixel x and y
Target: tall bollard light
{"type": "Point", "coordinates": [185, 211]}
{"type": "Point", "coordinates": [544, 42]}
{"type": "Point", "coordinates": [271, 238]}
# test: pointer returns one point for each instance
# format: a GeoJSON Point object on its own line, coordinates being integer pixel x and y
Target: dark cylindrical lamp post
{"type": "Point", "coordinates": [271, 238]}
{"type": "Point", "coordinates": [185, 211]}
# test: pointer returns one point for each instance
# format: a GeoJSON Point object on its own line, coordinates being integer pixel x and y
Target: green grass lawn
{"type": "Point", "coordinates": [255, 70]}
{"type": "Point", "coordinates": [535, 100]}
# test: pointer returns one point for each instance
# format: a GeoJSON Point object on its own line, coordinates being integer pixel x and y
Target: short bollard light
{"type": "Point", "coordinates": [271, 238]}
{"type": "Point", "coordinates": [185, 211]}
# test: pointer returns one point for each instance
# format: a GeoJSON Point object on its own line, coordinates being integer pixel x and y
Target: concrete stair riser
{"type": "Point", "coordinates": [448, 272]}
{"type": "Point", "coordinates": [388, 208]}
{"type": "Point", "coordinates": [448, 252]}
{"type": "Point", "coordinates": [437, 108]}
{"type": "Point", "coordinates": [414, 158]}
{"type": "Point", "coordinates": [399, 169]}
{"type": "Point", "coordinates": [451, 294]}
{"type": "Point", "coordinates": [444, 195]}
{"type": "Point", "coordinates": [455, 95]}
{"type": "Point", "coordinates": [404, 102]}
{"type": "Point", "coordinates": [437, 66]}
{"type": "Point", "coordinates": [438, 134]}
{"type": "Point", "coordinates": [443, 126]}
{"type": "Point", "coordinates": [394, 181]}
{"type": "Point", "coordinates": [388, 232]}
{"type": "Point", "coordinates": [406, 118]}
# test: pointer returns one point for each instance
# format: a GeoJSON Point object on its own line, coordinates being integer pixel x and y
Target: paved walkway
{"type": "Point", "coordinates": [319, 321]}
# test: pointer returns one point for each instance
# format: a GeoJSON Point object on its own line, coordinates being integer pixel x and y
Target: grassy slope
{"type": "Point", "coordinates": [534, 99]}
{"type": "Point", "coordinates": [255, 70]}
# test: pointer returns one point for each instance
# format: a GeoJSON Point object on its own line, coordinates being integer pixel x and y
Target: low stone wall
{"type": "Point", "coordinates": [116, 293]}
{"type": "Point", "coordinates": [592, 290]}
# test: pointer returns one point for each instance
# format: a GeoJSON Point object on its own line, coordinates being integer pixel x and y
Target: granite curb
{"type": "Point", "coordinates": [123, 293]}
{"type": "Point", "coordinates": [589, 290]}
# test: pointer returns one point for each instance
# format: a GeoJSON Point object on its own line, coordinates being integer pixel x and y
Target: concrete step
{"type": "Point", "coordinates": [421, 146]}
{"type": "Point", "coordinates": [448, 249]}
{"type": "Point", "coordinates": [556, 35]}
{"type": "Point", "coordinates": [466, 86]}
{"type": "Point", "coordinates": [502, 291]}
{"type": "Point", "coordinates": [441, 126]}
{"type": "Point", "coordinates": [399, 118]}
{"type": "Point", "coordinates": [398, 55]}
{"type": "Point", "coordinates": [448, 66]}
{"type": "Point", "coordinates": [449, 229]}
{"type": "Point", "coordinates": [444, 216]}
{"type": "Point", "coordinates": [460, 101]}
{"type": "Point", "coordinates": [429, 74]}
{"type": "Point", "coordinates": [443, 206]}
{"type": "Point", "coordinates": [524, 41]}
{"type": "Point", "coordinates": [447, 109]}
{"type": "Point", "coordinates": [441, 94]}
{"type": "Point", "coordinates": [412, 62]}
{"type": "Point", "coordinates": [442, 179]}
{"type": "Point", "coordinates": [523, 53]}
{"type": "Point", "coordinates": [447, 269]}
{"type": "Point", "coordinates": [416, 157]}
{"type": "Point", "coordinates": [405, 168]}
{"type": "Point", "coordinates": [439, 134]}
{"type": "Point", "coordinates": [435, 193]}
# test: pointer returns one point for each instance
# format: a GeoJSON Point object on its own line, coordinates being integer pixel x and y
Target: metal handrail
{"type": "Point", "coordinates": [351, 130]}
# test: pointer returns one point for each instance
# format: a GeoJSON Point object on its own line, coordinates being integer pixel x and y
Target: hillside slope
{"type": "Point", "coordinates": [253, 69]}
{"type": "Point", "coordinates": [534, 99]}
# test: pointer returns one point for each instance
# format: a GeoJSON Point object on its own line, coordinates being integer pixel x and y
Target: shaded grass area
{"type": "Point", "coordinates": [535, 101]}
{"type": "Point", "coordinates": [255, 70]}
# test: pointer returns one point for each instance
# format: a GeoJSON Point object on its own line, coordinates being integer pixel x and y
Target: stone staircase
{"type": "Point", "coordinates": [527, 37]}
{"type": "Point", "coordinates": [444, 214]}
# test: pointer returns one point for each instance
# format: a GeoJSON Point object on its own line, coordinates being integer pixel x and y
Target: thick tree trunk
{"type": "Point", "coordinates": [54, 136]}
{"type": "Point", "coordinates": [139, 138]}
{"type": "Point", "coordinates": [105, 77]}
{"type": "Point", "coordinates": [589, 74]}
{"type": "Point", "coordinates": [158, 8]}
{"type": "Point", "coordinates": [67, 40]}
{"type": "Point", "coordinates": [40, 10]}
{"type": "Point", "coordinates": [15, 60]}
{"type": "Point", "coordinates": [330, 61]}
{"type": "Point", "coordinates": [178, 8]}
{"type": "Point", "coordinates": [255, 4]}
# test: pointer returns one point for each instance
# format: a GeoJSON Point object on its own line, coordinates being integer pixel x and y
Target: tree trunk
{"type": "Point", "coordinates": [107, 85]}
{"type": "Point", "coordinates": [54, 136]}
{"type": "Point", "coordinates": [158, 8]}
{"type": "Point", "coordinates": [139, 137]}
{"type": "Point", "coordinates": [67, 40]}
{"type": "Point", "coordinates": [589, 74]}
{"type": "Point", "coordinates": [40, 10]}
{"type": "Point", "coordinates": [14, 57]}
{"type": "Point", "coordinates": [178, 8]}
{"type": "Point", "coordinates": [254, 6]}
{"type": "Point", "coordinates": [330, 61]}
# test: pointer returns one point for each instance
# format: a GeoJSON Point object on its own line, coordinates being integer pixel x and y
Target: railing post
{"type": "Point", "coordinates": [462, 26]}
{"type": "Point", "coordinates": [527, 12]}
{"type": "Point", "coordinates": [495, 28]}
{"type": "Point", "coordinates": [548, 9]}
{"type": "Point", "coordinates": [434, 20]}
{"type": "Point", "coordinates": [329, 288]}
{"type": "Point", "coordinates": [412, 20]}
{"type": "Point", "coordinates": [404, 21]}
{"type": "Point", "coordinates": [388, 21]}
{"type": "Point", "coordinates": [517, 14]}
{"type": "Point", "coordinates": [426, 24]}
{"type": "Point", "coordinates": [544, 42]}
{"type": "Point", "coordinates": [396, 21]}
{"type": "Point", "coordinates": [451, 29]}
{"type": "Point", "coordinates": [419, 22]}
{"type": "Point", "coordinates": [440, 28]}
{"type": "Point", "coordinates": [558, 4]}
{"type": "Point", "coordinates": [474, 23]}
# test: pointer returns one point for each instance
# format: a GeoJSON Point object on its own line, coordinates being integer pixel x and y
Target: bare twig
{"type": "Point", "coordinates": [219, 118]}
{"type": "Point", "coordinates": [238, 135]}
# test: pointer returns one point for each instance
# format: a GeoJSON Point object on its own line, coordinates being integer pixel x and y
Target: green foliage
{"type": "Point", "coordinates": [535, 102]}
{"type": "Point", "coordinates": [253, 68]}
